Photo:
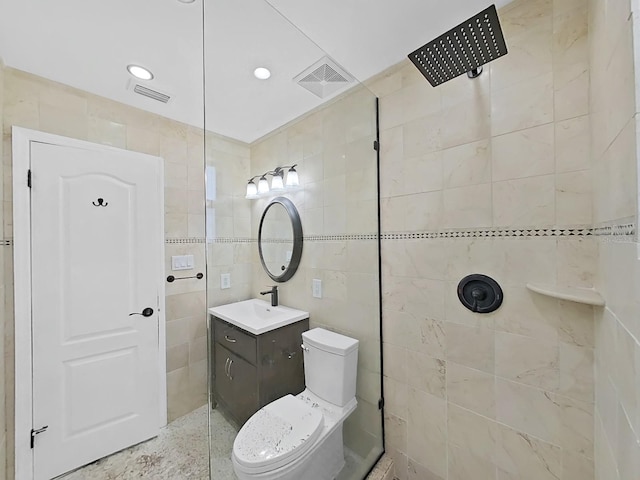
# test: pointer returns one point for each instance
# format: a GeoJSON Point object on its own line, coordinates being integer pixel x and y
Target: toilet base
{"type": "Point", "coordinates": [323, 462]}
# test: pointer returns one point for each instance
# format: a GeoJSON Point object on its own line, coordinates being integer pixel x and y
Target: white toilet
{"type": "Point", "coordinates": [300, 437]}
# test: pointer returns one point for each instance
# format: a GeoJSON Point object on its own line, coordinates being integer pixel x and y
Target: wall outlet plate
{"type": "Point", "coordinates": [225, 281]}
{"type": "Point", "coordinates": [317, 288]}
{"type": "Point", "coordinates": [182, 262]}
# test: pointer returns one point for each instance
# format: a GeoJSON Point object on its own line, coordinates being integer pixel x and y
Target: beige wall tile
{"type": "Point", "coordinates": [524, 202]}
{"type": "Point", "coordinates": [467, 207]}
{"type": "Point", "coordinates": [468, 164]}
{"type": "Point", "coordinates": [572, 139]}
{"type": "Point", "coordinates": [534, 98]}
{"type": "Point", "coordinates": [526, 153]}
{"type": "Point", "coordinates": [527, 360]}
{"type": "Point", "coordinates": [471, 389]}
{"type": "Point", "coordinates": [427, 431]}
{"type": "Point", "coordinates": [471, 347]}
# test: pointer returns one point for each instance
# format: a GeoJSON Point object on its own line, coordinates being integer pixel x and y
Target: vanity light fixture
{"type": "Point", "coordinates": [277, 181]}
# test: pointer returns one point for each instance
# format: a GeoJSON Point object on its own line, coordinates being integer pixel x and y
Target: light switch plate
{"type": "Point", "coordinates": [317, 288]}
{"type": "Point", "coordinates": [225, 281]}
{"type": "Point", "coordinates": [182, 262]}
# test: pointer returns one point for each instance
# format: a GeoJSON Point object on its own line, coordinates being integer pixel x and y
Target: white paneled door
{"type": "Point", "coordinates": [96, 243]}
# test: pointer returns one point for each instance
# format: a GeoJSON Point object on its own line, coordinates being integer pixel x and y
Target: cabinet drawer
{"type": "Point", "coordinates": [235, 339]}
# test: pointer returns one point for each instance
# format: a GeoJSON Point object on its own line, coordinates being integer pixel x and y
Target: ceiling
{"type": "Point", "coordinates": [88, 44]}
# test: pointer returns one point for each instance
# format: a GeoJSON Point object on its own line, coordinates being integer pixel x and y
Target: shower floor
{"type": "Point", "coordinates": [179, 452]}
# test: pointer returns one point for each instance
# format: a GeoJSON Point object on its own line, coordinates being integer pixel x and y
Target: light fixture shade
{"type": "Point", "coordinates": [276, 182]}
{"type": "Point", "coordinates": [292, 178]}
{"type": "Point", "coordinates": [252, 189]}
{"type": "Point", "coordinates": [263, 185]}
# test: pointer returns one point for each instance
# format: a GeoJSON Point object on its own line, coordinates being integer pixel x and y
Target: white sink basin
{"type": "Point", "coordinates": [257, 316]}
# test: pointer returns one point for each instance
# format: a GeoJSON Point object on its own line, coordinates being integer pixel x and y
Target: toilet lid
{"type": "Point", "coordinates": [277, 434]}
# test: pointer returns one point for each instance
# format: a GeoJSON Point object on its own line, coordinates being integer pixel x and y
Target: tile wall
{"type": "Point", "coordinates": [228, 219]}
{"type": "Point", "coordinates": [613, 106]}
{"type": "Point", "coordinates": [337, 202]}
{"type": "Point", "coordinates": [40, 104]}
{"type": "Point", "coordinates": [492, 173]}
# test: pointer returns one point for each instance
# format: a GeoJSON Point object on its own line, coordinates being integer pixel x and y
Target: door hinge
{"type": "Point", "coordinates": [29, 178]}
{"type": "Point", "coordinates": [381, 404]}
{"type": "Point", "coordinates": [376, 145]}
{"type": "Point", "coordinates": [36, 432]}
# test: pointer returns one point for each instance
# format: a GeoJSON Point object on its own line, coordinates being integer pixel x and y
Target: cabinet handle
{"type": "Point", "coordinates": [226, 366]}
{"type": "Point", "coordinates": [230, 340]}
{"type": "Point", "coordinates": [230, 376]}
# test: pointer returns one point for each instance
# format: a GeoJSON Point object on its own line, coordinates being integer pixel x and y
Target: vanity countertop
{"type": "Point", "coordinates": [257, 316]}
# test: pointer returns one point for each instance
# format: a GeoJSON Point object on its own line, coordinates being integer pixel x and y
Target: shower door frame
{"type": "Point", "coordinates": [23, 351]}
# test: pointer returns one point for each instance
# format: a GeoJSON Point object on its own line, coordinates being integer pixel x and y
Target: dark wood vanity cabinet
{"type": "Point", "coordinates": [251, 371]}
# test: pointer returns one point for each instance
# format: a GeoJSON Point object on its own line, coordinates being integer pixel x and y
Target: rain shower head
{"type": "Point", "coordinates": [463, 49]}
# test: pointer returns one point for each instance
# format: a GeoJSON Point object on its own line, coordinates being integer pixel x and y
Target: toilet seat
{"type": "Point", "coordinates": [277, 434]}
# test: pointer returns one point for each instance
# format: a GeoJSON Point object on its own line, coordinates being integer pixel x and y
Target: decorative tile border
{"type": "Point", "coordinates": [620, 230]}
{"type": "Point", "coordinates": [184, 241]}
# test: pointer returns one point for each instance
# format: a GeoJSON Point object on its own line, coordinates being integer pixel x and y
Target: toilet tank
{"type": "Point", "coordinates": [330, 365]}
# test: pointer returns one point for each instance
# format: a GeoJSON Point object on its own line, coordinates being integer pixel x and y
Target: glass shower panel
{"type": "Point", "coordinates": [63, 71]}
{"type": "Point", "coordinates": [311, 113]}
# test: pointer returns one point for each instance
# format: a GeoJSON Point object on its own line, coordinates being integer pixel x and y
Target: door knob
{"type": "Point", "coordinates": [147, 312]}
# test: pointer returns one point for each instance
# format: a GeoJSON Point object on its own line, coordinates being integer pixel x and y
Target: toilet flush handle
{"type": "Point", "coordinates": [306, 349]}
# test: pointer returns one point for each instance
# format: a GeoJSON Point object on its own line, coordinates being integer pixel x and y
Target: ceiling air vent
{"type": "Point", "coordinates": [149, 92]}
{"type": "Point", "coordinates": [324, 78]}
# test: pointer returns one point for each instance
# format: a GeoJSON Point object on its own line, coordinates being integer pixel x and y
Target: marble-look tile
{"type": "Point", "coordinates": [422, 136]}
{"type": "Point", "coordinates": [525, 153]}
{"type": "Point", "coordinates": [426, 373]}
{"type": "Point", "coordinates": [527, 360]}
{"type": "Point", "coordinates": [524, 202]}
{"type": "Point", "coordinates": [576, 264]}
{"type": "Point", "coordinates": [572, 144]}
{"type": "Point", "coordinates": [570, 37]}
{"type": "Point", "coordinates": [571, 91]}
{"type": "Point", "coordinates": [521, 15]}
{"type": "Point", "coordinates": [628, 453]}
{"type": "Point", "coordinates": [470, 346]}
{"type": "Point", "coordinates": [471, 389]}
{"type": "Point", "coordinates": [468, 164]}
{"type": "Point", "coordinates": [530, 54]}
{"type": "Point", "coordinates": [467, 207]}
{"type": "Point", "coordinates": [466, 122]}
{"type": "Point", "coordinates": [423, 173]}
{"type": "Point", "coordinates": [464, 465]}
{"type": "Point", "coordinates": [473, 433]}
{"type": "Point", "coordinates": [575, 325]}
{"type": "Point", "coordinates": [573, 198]}
{"type": "Point", "coordinates": [523, 105]}
{"type": "Point", "coordinates": [576, 372]}
{"type": "Point", "coordinates": [527, 410]}
{"type": "Point", "coordinates": [395, 432]}
{"type": "Point", "coordinates": [427, 431]}
{"type": "Point", "coordinates": [526, 313]}
{"type": "Point", "coordinates": [417, 471]}
{"type": "Point", "coordinates": [577, 467]}
{"type": "Point", "coordinates": [523, 457]}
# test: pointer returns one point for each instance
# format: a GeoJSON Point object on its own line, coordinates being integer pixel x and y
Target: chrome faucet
{"type": "Point", "coordinates": [274, 295]}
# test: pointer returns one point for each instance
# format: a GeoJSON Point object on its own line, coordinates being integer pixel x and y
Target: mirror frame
{"type": "Point", "coordinates": [296, 253]}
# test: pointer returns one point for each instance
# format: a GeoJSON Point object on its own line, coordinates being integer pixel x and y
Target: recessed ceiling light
{"type": "Point", "coordinates": [186, 1]}
{"type": "Point", "coordinates": [262, 73]}
{"type": "Point", "coordinates": [140, 72]}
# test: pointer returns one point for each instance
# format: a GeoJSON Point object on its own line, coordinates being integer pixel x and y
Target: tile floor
{"type": "Point", "coordinates": [179, 452]}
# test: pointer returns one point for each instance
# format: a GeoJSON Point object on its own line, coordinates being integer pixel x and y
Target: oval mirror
{"type": "Point", "coordinates": [280, 239]}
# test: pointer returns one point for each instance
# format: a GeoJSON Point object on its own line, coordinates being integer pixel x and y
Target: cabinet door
{"type": "Point", "coordinates": [236, 384]}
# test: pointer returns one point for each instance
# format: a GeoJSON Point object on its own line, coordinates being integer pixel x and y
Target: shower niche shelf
{"type": "Point", "coordinates": [588, 296]}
